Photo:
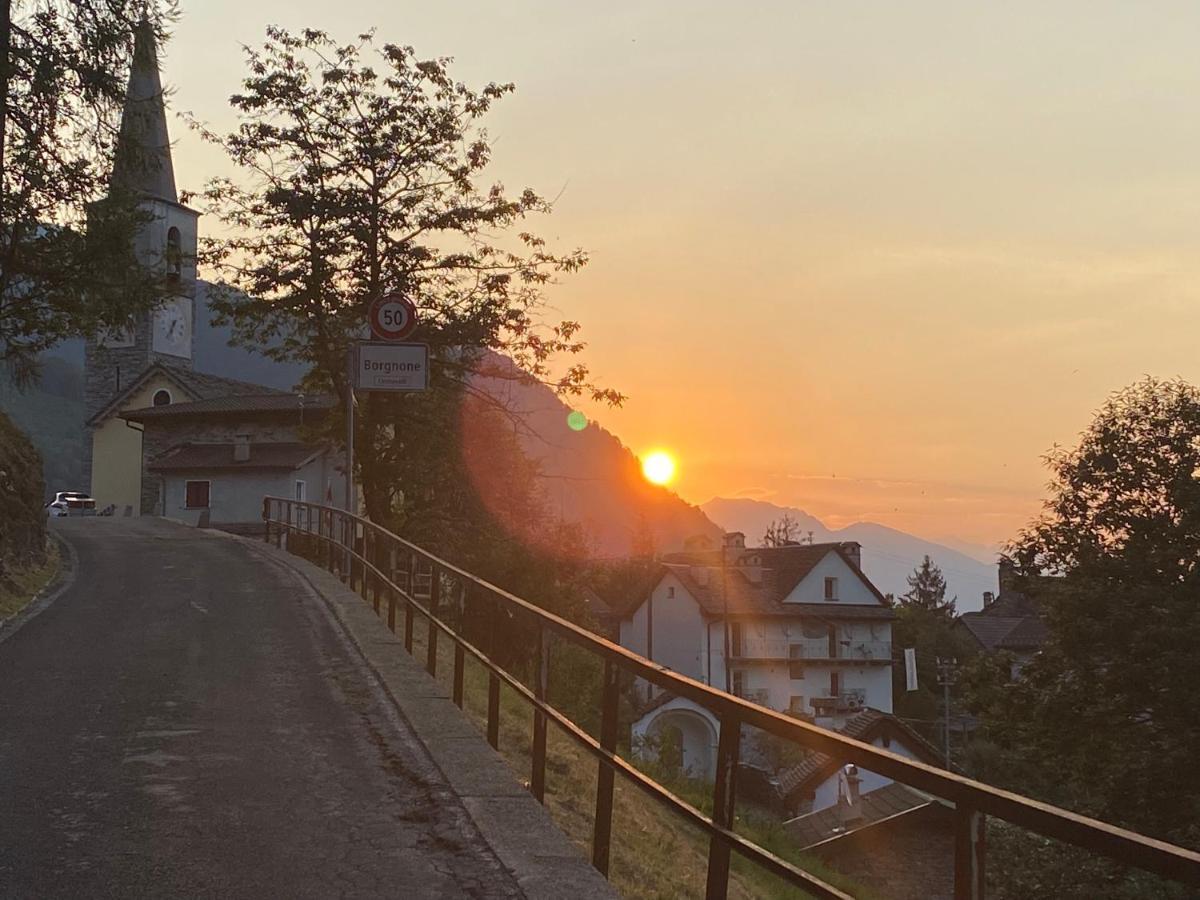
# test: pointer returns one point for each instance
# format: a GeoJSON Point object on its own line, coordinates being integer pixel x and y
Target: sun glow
{"type": "Point", "coordinates": [659, 467]}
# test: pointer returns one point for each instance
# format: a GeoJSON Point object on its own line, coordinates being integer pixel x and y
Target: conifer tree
{"type": "Point", "coordinates": [927, 590]}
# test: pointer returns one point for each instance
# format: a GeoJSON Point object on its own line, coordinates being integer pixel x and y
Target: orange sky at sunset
{"type": "Point", "coordinates": [871, 260]}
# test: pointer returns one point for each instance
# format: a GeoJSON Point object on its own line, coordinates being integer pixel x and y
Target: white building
{"type": "Point", "coordinates": [807, 634]}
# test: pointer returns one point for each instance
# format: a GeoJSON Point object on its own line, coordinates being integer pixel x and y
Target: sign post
{"type": "Point", "coordinates": [383, 365]}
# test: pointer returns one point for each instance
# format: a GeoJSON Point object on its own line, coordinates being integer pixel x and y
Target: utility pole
{"type": "Point", "coordinates": [947, 676]}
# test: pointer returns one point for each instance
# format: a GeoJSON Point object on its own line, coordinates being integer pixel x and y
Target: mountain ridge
{"type": "Point", "coordinates": [889, 555]}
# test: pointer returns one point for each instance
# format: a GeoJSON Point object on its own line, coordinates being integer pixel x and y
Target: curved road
{"type": "Point", "coordinates": [186, 721]}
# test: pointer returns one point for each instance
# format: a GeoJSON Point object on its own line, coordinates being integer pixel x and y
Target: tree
{"type": "Point", "coordinates": [782, 532]}
{"type": "Point", "coordinates": [1105, 719]}
{"type": "Point", "coordinates": [67, 263]}
{"type": "Point", "coordinates": [361, 172]}
{"type": "Point", "coordinates": [927, 590]}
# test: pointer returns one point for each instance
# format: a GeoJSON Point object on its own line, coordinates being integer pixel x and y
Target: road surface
{"type": "Point", "coordinates": [185, 720]}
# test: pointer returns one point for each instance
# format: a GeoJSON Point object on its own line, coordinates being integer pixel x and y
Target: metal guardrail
{"type": "Point", "coordinates": [377, 563]}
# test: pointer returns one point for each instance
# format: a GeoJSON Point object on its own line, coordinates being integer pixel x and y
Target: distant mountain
{"type": "Point", "coordinates": [889, 556]}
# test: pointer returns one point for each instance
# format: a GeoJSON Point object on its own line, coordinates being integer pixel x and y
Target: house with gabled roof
{"type": "Point", "coordinates": [799, 629]}
{"type": "Point", "coordinates": [1010, 621]}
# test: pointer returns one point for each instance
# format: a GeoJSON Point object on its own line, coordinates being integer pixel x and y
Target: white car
{"type": "Point", "coordinates": [71, 503]}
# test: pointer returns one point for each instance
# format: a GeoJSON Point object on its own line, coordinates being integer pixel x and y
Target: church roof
{"type": "Point", "coordinates": [142, 161]}
{"type": "Point", "coordinates": [233, 403]}
{"type": "Point", "coordinates": [195, 385]}
{"type": "Point", "coordinates": [194, 457]}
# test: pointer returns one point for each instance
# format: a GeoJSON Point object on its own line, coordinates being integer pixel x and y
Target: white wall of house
{"type": "Point", "coordinates": [850, 587]}
{"type": "Point", "coordinates": [698, 729]}
{"type": "Point", "coordinates": [826, 793]}
{"type": "Point", "coordinates": [236, 496]}
{"type": "Point", "coordinates": [678, 629]}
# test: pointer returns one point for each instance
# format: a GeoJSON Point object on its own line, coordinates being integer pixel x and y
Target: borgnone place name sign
{"type": "Point", "coordinates": [391, 367]}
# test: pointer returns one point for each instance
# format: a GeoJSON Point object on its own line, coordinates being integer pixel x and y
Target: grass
{"type": "Point", "coordinates": [655, 854]}
{"type": "Point", "coordinates": [23, 585]}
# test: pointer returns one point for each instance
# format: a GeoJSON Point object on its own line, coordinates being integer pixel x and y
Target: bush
{"type": "Point", "coordinates": [22, 515]}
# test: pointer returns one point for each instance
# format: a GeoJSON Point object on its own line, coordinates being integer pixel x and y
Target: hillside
{"type": "Point", "coordinates": [889, 556]}
{"type": "Point", "coordinates": [589, 476]}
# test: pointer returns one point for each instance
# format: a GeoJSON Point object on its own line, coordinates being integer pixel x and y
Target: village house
{"type": "Point", "coordinates": [1008, 623]}
{"type": "Point", "coordinates": [807, 634]}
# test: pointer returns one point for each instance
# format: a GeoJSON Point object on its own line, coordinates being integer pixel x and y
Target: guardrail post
{"type": "Point", "coordinates": [460, 665]}
{"type": "Point", "coordinates": [493, 710]}
{"type": "Point", "coordinates": [723, 806]}
{"type": "Point", "coordinates": [266, 520]}
{"type": "Point", "coordinates": [435, 593]}
{"type": "Point", "coordinates": [408, 612]}
{"type": "Point", "coordinates": [969, 852]}
{"type": "Point", "coordinates": [602, 834]}
{"type": "Point", "coordinates": [541, 682]}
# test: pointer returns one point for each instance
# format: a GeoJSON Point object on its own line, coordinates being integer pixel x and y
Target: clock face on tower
{"type": "Point", "coordinates": [173, 327]}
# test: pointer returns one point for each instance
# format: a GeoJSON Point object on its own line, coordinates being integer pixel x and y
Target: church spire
{"type": "Point", "coordinates": [142, 162]}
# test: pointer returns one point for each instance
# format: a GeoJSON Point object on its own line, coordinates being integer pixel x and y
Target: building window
{"type": "Point", "coordinates": [301, 490]}
{"type": "Point", "coordinates": [831, 589]}
{"type": "Point", "coordinates": [796, 661]}
{"type": "Point", "coordinates": [195, 494]}
{"type": "Point", "coordinates": [796, 705]}
{"type": "Point", "coordinates": [671, 592]}
{"type": "Point", "coordinates": [739, 684]}
{"type": "Point", "coordinates": [835, 684]}
{"type": "Point", "coordinates": [174, 254]}
{"type": "Point", "coordinates": [162, 397]}
{"type": "Point", "coordinates": [735, 639]}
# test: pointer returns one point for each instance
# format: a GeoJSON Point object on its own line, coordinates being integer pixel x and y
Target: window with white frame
{"type": "Point", "coordinates": [831, 588]}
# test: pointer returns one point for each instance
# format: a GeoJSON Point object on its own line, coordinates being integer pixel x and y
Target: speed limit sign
{"type": "Point", "coordinates": [392, 317]}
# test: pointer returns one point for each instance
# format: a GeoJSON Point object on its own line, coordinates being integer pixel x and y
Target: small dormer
{"type": "Point", "coordinates": [734, 540]}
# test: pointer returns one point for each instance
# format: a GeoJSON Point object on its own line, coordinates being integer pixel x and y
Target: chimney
{"type": "Point", "coordinates": [1008, 575]}
{"type": "Point", "coordinates": [988, 599]}
{"type": "Point", "coordinates": [850, 805]}
{"type": "Point", "coordinates": [241, 448]}
{"type": "Point", "coordinates": [853, 552]}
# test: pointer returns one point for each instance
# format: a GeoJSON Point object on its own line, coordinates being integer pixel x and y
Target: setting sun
{"type": "Point", "coordinates": [659, 467]}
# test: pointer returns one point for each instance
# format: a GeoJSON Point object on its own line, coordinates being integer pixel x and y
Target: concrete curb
{"type": "Point", "coordinates": [68, 565]}
{"type": "Point", "coordinates": [545, 864]}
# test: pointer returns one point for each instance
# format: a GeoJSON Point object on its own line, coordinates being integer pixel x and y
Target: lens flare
{"type": "Point", "coordinates": [576, 420]}
{"type": "Point", "coordinates": [659, 467]}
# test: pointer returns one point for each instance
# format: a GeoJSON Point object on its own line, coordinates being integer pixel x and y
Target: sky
{"type": "Point", "coordinates": [868, 259]}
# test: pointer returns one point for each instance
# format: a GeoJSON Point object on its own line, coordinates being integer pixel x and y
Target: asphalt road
{"type": "Point", "coordinates": [186, 721]}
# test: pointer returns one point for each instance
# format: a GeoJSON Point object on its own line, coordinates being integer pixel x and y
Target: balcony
{"type": "Point", "coordinates": [814, 649]}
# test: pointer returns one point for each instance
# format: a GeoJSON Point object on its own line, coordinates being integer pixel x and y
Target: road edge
{"type": "Point", "coordinates": [518, 829]}
{"type": "Point", "coordinates": [68, 565]}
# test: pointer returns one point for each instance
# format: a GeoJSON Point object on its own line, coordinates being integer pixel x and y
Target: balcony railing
{"type": "Point", "coordinates": [369, 558]}
{"type": "Point", "coordinates": [816, 649]}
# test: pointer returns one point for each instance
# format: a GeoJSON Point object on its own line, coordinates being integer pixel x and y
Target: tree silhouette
{"type": "Point", "coordinates": [927, 590]}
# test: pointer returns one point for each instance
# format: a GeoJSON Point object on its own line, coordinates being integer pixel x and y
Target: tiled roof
{"type": "Point", "coordinates": [196, 385]}
{"type": "Point", "coordinates": [233, 403]}
{"type": "Point", "coordinates": [875, 806]}
{"type": "Point", "coordinates": [212, 457]}
{"type": "Point", "coordinates": [1030, 634]}
{"type": "Point", "coordinates": [989, 631]}
{"type": "Point", "coordinates": [204, 385]}
{"type": "Point", "coordinates": [865, 727]}
{"type": "Point", "coordinates": [759, 590]}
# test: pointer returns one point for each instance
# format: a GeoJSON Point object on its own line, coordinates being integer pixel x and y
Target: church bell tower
{"type": "Point", "coordinates": [165, 244]}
